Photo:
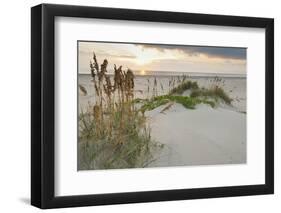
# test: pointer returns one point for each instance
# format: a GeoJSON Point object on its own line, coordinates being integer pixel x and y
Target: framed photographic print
{"type": "Point", "coordinates": [140, 106]}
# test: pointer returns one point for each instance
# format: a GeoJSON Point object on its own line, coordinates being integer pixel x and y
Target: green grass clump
{"type": "Point", "coordinates": [185, 85]}
{"type": "Point", "coordinates": [186, 101]}
{"type": "Point", "coordinates": [154, 103]}
{"type": "Point", "coordinates": [215, 92]}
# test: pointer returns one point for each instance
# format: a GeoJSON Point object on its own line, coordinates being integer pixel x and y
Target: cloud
{"type": "Point", "coordinates": [107, 54]}
{"type": "Point", "coordinates": [211, 52]}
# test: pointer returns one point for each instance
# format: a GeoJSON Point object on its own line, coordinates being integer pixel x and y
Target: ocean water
{"type": "Point", "coordinates": [191, 74]}
{"type": "Point", "coordinates": [234, 85]}
{"type": "Point", "coordinates": [174, 73]}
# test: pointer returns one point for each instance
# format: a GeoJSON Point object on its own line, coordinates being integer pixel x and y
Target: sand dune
{"type": "Point", "coordinates": [203, 136]}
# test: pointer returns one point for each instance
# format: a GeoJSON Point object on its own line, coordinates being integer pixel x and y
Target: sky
{"type": "Point", "coordinates": [156, 57]}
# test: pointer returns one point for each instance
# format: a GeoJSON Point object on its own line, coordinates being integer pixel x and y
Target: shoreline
{"type": "Point", "coordinates": [180, 74]}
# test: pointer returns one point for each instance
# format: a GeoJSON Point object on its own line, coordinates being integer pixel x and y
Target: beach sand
{"type": "Point", "coordinates": [202, 136]}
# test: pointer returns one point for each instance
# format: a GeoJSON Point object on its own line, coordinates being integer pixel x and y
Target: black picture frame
{"type": "Point", "coordinates": [43, 105]}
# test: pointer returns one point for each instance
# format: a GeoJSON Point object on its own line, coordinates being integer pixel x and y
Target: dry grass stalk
{"type": "Point", "coordinates": [113, 133]}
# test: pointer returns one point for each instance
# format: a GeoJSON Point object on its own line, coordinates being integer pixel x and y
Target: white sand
{"type": "Point", "coordinates": [203, 136]}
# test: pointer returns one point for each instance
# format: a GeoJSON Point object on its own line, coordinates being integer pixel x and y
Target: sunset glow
{"type": "Point", "coordinates": [142, 72]}
{"type": "Point", "coordinates": [165, 57]}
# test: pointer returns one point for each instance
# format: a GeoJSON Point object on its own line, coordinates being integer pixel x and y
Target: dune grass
{"type": "Point", "coordinates": [186, 101]}
{"type": "Point", "coordinates": [113, 134]}
{"type": "Point", "coordinates": [214, 92]}
{"type": "Point", "coordinates": [126, 144]}
{"type": "Point", "coordinates": [198, 95]}
{"type": "Point", "coordinates": [182, 87]}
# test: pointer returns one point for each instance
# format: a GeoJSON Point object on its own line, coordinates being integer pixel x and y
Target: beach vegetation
{"type": "Point", "coordinates": [186, 101]}
{"type": "Point", "coordinates": [113, 130]}
{"type": "Point", "coordinates": [215, 92]}
{"type": "Point", "coordinates": [183, 86]}
{"type": "Point", "coordinates": [113, 134]}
